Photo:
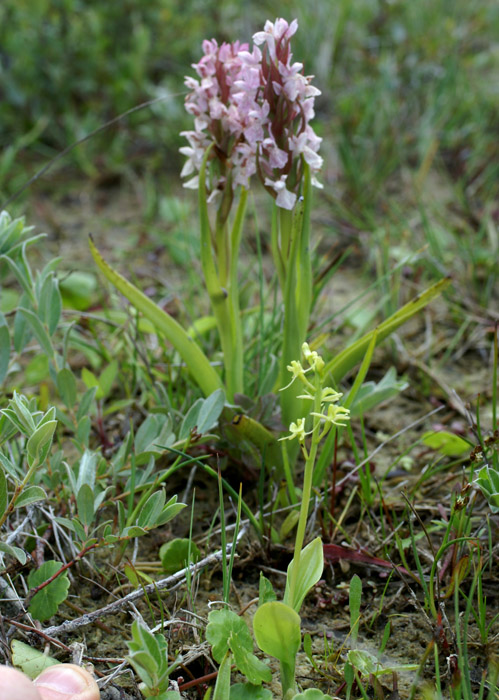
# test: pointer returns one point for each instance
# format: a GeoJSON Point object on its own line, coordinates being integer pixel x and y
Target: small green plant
{"type": "Point", "coordinates": [149, 657]}
{"type": "Point", "coordinates": [277, 624]}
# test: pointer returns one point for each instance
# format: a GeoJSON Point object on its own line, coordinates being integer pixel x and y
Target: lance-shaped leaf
{"type": "Point", "coordinates": [195, 359]}
{"type": "Point", "coordinates": [342, 363]}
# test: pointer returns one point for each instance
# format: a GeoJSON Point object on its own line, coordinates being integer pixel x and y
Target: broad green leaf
{"type": "Point", "coordinates": [310, 570]}
{"type": "Point", "coordinates": [155, 429]}
{"type": "Point", "coordinates": [31, 661]}
{"type": "Point", "coordinates": [151, 510]}
{"type": "Point", "coordinates": [15, 552]}
{"type": "Point", "coordinates": [66, 386]}
{"type": "Point", "coordinates": [30, 495]}
{"type": "Point", "coordinates": [248, 691]}
{"type": "Point", "coordinates": [227, 631]}
{"type": "Point", "coordinates": [277, 631]}
{"type": "Point", "coordinates": [371, 394]}
{"type": "Point", "coordinates": [39, 443]}
{"type": "Point", "coordinates": [171, 509]}
{"type": "Point", "coordinates": [83, 430]}
{"type": "Point", "coordinates": [311, 694]}
{"type": "Point", "coordinates": [446, 443]}
{"type": "Point", "coordinates": [256, 671]}
{"type": "Point", "coordinates": [46, 602]}
{"type": "Point", "coordinates": [197, 362]}
{"type": "Point", "coordinates": [77, 289]}
{"type": "Point", "coordinates": [87, 469]}
{"type": "Point", "coordinates": [190, 420]}
{"type": "Point", "coordinates": [222, 624]}
{"type": "Point", "coordinates": [174, 554]}
{"type": "Point", "coordinates": [91, 381]}
{"type": "Point", "coordinates": [133, 531]}
{"type": "Point", "coordinates": [210, 411]}
{"type": "Point", "coordinates": [85, 505]}
{"type": "Point", "coordinates": [107, 377]}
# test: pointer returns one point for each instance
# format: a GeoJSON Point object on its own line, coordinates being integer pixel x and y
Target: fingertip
{"type": "Point", "coordinates": [66, 682]}
{"type": "Point", "coordinates": [15, 685]}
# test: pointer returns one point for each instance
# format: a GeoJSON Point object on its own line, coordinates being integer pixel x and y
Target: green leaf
{"type": "Point", "coordinates": [370, 394]}
{"type": "Point", "coordinates": [66, 386]}
{"type": "Point", "coordinates": [266, 593]}
{"type": "Point", "coordinates": [31, 661]}
{"type": "Point", "coordinates": [4, 495]}
{"type": "Point", "coordinates": [310, 571]}
{"type": "Point", "coordinates": [46, 602]}
{"type": "Point", "coordinates": [85, 505]}
{"type": "Point", "coordinates": [346, 360]}
{"type": "Point", "coordinates": [4, 348]}
{"type": "Point", "coordinates": [446, 443]}
{"type": "Point", "coordinates": [50, 303]}
{"type": "Point", "coordinates": [311, 694]}
{"type": "Point", "coordinates": [21, 329]}
{"type": "Point", "coordinates": [225, 631]}
{"type": "Point", "coordinates": [171, 509]}
{"type": "Point", "coordinates": [221, 625]}
{"type": "Point", "coordinates": [30, 495]}
{"type": "Point", "coordinates": [256, 671]}
{"type": "Point", "coordinates": [91, 381]}
{"type": "Point", "coordinates": [354, 599]}
{"type": "Point", "coordinates": [210, 411]}
{"type": "Point", "coordinates": [106, 379]}
{"type": "Point", "coordinates": [39, 331]}
{"type": "Point", "coordinates": [248, 691]}
{"type": "Point", "coordinates": [222, 686]}
{"type": "Point", "coordinates": [174, 554]}
{"type": "Point", "coordinates": [39, 443]}
{"type": "Point", "coordinates": [277, 631]}
{"type": "Point", "coordinates": [151, 510]}
{"type": "Point", "coordinates": [86, 401]}
{"type": "Point", "coordinates": [15, 552]}
{"type": "Point", "coordinates": [190, 420]}
{"type": "Point", "coordinates": [197, 362]}
{"type": "Point", "coordinates": [365, 662]}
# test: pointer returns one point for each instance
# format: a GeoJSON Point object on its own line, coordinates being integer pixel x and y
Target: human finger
{"type": "Point", "coordinates": [66, 682]}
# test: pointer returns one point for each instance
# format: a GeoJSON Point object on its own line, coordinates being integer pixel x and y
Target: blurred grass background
{"type": "Point", "coordinates": [409, 109]}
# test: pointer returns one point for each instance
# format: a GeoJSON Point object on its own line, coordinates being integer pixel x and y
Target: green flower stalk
{"type": "Point", "coordinates": [326, 413]}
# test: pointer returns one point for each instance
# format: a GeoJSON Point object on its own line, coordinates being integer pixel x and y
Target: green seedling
{"type": "Point", "coordinates": [149, 658]}
{"type": "Point", "coordinates": [231, 643]}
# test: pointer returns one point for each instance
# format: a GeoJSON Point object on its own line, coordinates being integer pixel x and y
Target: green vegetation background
{"type": "Point", "coordinates": [401, 81]}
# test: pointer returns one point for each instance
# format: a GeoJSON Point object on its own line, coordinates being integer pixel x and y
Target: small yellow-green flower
{"type": "Point", "coordinates": [312, 357]}
{"type": "Point", "coordinates": [335, 415]}
{"type": "Point", "coordinates": [297, 430]}
{"type": "Point", "coordinates": [298, 372]}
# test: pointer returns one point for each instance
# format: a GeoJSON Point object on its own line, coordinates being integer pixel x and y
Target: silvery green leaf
{"type": "Point", "coordinates": [30, 495]}
{"type": "Point", "coordinates": [15, 552]}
